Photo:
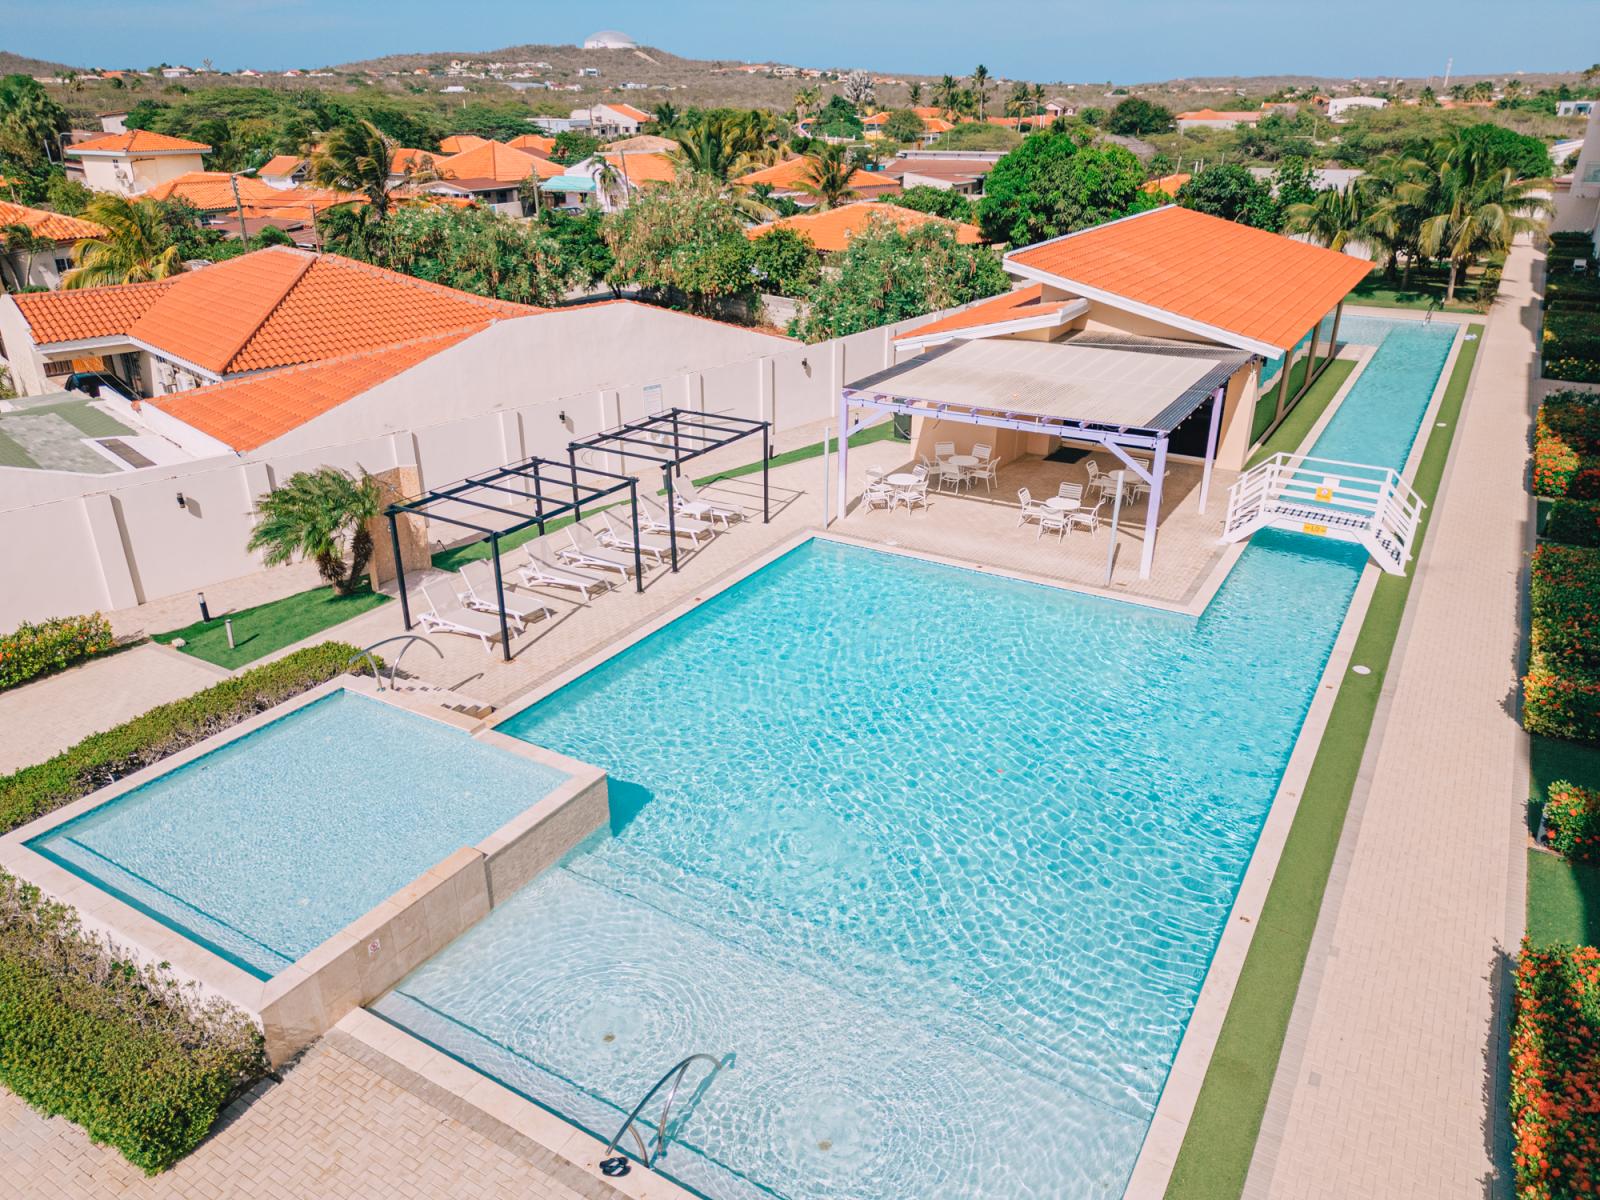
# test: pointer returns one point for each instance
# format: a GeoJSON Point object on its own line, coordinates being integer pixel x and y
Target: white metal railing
{"type": "Point", "coordinates": [1328, 498]}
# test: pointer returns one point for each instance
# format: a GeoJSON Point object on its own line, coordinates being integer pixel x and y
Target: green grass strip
{"type": "Point", "coordinates": [1563, 901]}
{"type": "Point", "coordinates": [455, 557]}
{"type": "Point", "coordinates": [1222, 1133]}
{"type": "Point", "coordinates": [267, 627]}
{"type": "Point", "coordinates": [1286, 438]}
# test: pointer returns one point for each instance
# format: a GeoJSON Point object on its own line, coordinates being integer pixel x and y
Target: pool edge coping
{"type": "Point", "coordinates": [1169, 1124]}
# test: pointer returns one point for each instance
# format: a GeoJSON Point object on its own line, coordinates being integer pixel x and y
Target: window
{"type": "Point", "coordinates": [63, 265]}
{"type": "Point", "coordinates": [54, 370]}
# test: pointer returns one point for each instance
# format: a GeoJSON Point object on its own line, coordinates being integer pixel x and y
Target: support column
{"type": "Point", "coordinates": [843, 435]}
{"type": "Point", "coordinates": [672, 517]}
{"type": "Point", "coordinates": [399, 570]}
{"type": "Point", "coordinates": [1333, 337]}
{"type": "Point", "coordinates": [500, 597]}
{"type": "Point", "coordinates": [1311, 358]}
{"type": "Point", "coordinates": [1217, 399]}
{"type": "Point", "coordinates": [766, 459]}
{"type": "Point", "coordinates": [1152, 517]}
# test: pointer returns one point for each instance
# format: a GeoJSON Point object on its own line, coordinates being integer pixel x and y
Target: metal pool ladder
{"type": "Point", "coordinates": [617, 1164]}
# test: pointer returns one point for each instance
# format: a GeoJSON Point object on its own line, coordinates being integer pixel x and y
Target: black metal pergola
{"type": "Point", "coordinates": [537, 480]}
{"type": "Point", "coordinates": [672, 438]}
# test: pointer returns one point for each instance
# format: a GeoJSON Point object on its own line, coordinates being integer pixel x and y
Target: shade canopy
{"type": "Point", "coordinates": [1147, 388]}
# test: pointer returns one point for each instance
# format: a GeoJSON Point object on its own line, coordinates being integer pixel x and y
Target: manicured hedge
{"type": "Point", "coordinates": [1573, 522]}
{"type": "Point", "coordinates": [122, 1050]}
{"type": "Point", "coordinates": [1561, 693]}
{"type": "Point", "coordinates": [1555, 1073]}
{"type": "Point", "coordinates": [1571, 342]}
{"type": "Point", "coordinates": [103, 758]}
{"type": "Point", "coordinates": [1572, 821]}
{"type": "Point", "coordinates": [33, 650]}
{"type": "Point", "coordinates": [1566, 450]}
{"type": "Point", "coordinates": [1560, 706]}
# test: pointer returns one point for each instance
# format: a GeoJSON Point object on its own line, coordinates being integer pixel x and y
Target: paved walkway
{"type": "Point", "coordinates": [335, 1127]}
{"type": "Point", "coordinates": [48, 715]}
{"type": "Point", "coordinates": [1390, 1083]}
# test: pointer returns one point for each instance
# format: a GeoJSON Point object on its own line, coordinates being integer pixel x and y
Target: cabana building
{"type": "Point", "coordinates": [1166, 336]}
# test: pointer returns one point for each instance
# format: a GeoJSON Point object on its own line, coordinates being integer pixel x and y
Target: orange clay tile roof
{"type": "Point", "coordinates": [1211, 114]}
{"type": "Point", "coordinates": [456, 143]}
{"type": "Point", "coordinates": [273, 308]}
{"type": "Point", "coordinates": [832, 230]}
{"type": "Point", "coordinates": [405, 158]}
{"type": "Point", "coordinates": [136, 141]}
{"type": "Point", "coordinates": [249, 412]}
{"type": "Point", "coordinates": [645, 168]}
{"type": "Point", "coordinates": [281, 164]}
{"type": "Point", "coordinates": [492, 161]}
{"type": "Point", "coordinates": [629, 111]}
{"type": "Point", "coordinates": [1222, 276]}
{"type": "Point", "coordinates": [533, 143]}
{"type": "Point", "coordinates": [1013, 306]}
{"type": "Point", "coordinates": [791, 175]}
{"type": "Point", "coordinates": [928, 110]}
{"type": "Point", "coordinates": [48, 224]}
{"type": "Point", "coordinates": [1167, 183]}
{"type": "Point", "coordinates": [210, 189]}
{"type": "Point", "coordinates": [71, 316]}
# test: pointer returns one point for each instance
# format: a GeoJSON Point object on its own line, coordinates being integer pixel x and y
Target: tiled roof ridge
{"type": "Point", "coordinates": [486, 302]}
{"type": "Point", "coordinates": [308, 261]}
{"type": "Point", "coordinates": [317, 364]}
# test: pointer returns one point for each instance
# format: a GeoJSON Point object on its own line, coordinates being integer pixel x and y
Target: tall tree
{"type": "Point", "coordinates": [914, 94]}
{"type": "Point", "coordinates": [1136, 117]}
{"type": "Point", "coordinates": [667, 115]}
{"type": "Point", "coordinates": [980, 88]}
{"type": "Point", "coordinates": [719, 144]}
{"type": "Point", "coordinates": [1049, 185]}
{"type": "Point", "coordinates": [1228, 190]}
{"type": "Point", "coordinates": [1333, 218]}
{"type": "Point", "coordinates": [683, 242]}
{"type": "Point", "coordinates": [317, 515]}
{"type": "Point", "coordinates": [135, 249]}
{"type": "Point", "coordinates": [30, 121]}
{"type": "Point", "coordinates": [1036, 94]}
{"type": "Point", "coordinates": [356, 158]}
{"type": "Point", "coordinates": [805, 100]}
{"type": "Point", "coordinates": [20, 239]}
{"type": "Point", "coordinates": [947, 94]}
{"type": "Point", "coordinates": [859, 89]}
{"type": "Point", "coordinates": [827, 176]}
{"type": "Point", "coordinates": [1476, 213]}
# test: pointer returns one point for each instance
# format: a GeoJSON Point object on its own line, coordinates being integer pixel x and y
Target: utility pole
{"type": "Point", "coordinates": [238, 207]}
{"type": "Point", "coordinates": [1449, 63]}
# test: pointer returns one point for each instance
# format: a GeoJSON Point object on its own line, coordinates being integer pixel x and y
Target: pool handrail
{"type": "Point", "coordinates": [617, 1165]}
{"type": "Point", "coordinates": [394, 667]}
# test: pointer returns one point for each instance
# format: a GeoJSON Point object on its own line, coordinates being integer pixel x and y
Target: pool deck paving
{"type": "Point", "coordinates": [1390, 1083]}
{"type": "Point", "coordinates": [341, 1124]}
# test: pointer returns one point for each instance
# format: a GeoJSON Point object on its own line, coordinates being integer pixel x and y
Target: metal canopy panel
{"type": "Point", "coordinates": [1123, 388]}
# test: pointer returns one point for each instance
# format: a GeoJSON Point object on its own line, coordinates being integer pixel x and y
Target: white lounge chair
{"type": "Point", "coordinates": [653, 517]}
{"type": "Point", "coordinates": [541, 572]}
{"type": "Point", "coordinates": [691, 500]}
{"type": "Point", "coordinates": [457, 619]}
{"type": "Point", "coordinates": [618, 535]}
{"type": "Point", "coordinates": [479, 596]}
{"type": "Point", "coordinates": [586, 551]}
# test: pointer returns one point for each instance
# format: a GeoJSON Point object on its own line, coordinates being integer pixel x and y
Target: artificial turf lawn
{"type": "Point", "coordinates": [1425, 287]}
{"type": "Point", "coordinates": [456, 556]}
{"type": "Point", "coordinates": [1563, 897]}
{"type": "Point", "coordinates": [267, 627]}
{"type": "Point", "coordinates": [1221, 1137]}
{"type": "Point", "coordinates": [1286, 438]}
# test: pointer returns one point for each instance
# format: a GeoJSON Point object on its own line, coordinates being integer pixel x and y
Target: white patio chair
{"type": "Point", "coordinates": [950, 476]}
{"type": "Point", "coordinates": [586, 551]}
{"type": "Point", "coordinates": [988, 470]}
{"type": "Point", "coordinates": [478, 595]}
{"type": "Point", "coordinates": [1053, 518]}
{"type": "Point", "coordinates": [1098, 480]}
{"type": "Point", "coordinates": [1089, 518]}
{"type": "Point", "coordinates": [913, 494]}
{"type": "Point", "coordinates": [943, 449]}
{"type": "Point", "coordinates": [981, 451]}
{"type": "Point", "coordinates": [690, 500]}
{"type": "Point", "coordinates": [1071, 491]}
{"type": "Point", "coordinates": [457, 619]}
{"type": "Point", "coordinates": [541, 572]}
{"type": "Point", "coordinates": [878, 494]}
{"type": "Point", "coordinates": [1031, 508]}
{"type": "Point", "coordinates": [618, 535]}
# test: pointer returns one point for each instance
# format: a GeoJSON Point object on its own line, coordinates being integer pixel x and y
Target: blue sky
{"type": "Point", "coordinates": [1123, 40]}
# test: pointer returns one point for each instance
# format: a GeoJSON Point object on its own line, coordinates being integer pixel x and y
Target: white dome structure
{"type": "Point", "coordinates": [609, 39]}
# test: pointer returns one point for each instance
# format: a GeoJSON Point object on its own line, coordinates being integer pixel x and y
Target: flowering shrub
{"type": "Point", "coordinates": [1574, 522]}
{"type": "Point", "coordinates": [1555, 1072]}
{"type": "Point", "coordinates": [1560, 705]}
{"type": "Point", "coordinates": [1573, 416]}
{"type": "Point", "coordinates": [1564, 599]}
{"type": "Point", "coordinates": [1572, 821]}
{"type": "Point", "coordinates": [1555, 466]}
{"type": "Point", "coordinates": [1571, 343]}
{"type": "Point", "coordinates": [33, 650]}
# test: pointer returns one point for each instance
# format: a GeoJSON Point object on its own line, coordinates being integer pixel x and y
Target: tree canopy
{"type": "Point", "coordinates": [941, 202]}
{"type": "Point", "coordinates": [1136, 116]}
{"type": "Point", "coordinates": [1228, 190]}
{"type": "Point", "coordinates": [785, 262]}
{"type": "Point", "coordinates": [683, 243]}
{"type": "Point", "coordinates": [903, 125]}
{"type": "Point", "coordinates": [1051, 185]}
{"type": "Point", "coordinates": [886, 275]}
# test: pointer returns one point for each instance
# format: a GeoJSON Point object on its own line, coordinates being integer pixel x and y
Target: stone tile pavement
{"type": "Point", "coordinates": [1391, 1079]}
{"type": "Point", "coordinates": [337, 1126]}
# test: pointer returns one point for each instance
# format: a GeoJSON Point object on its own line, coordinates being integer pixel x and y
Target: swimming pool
{"type": "Point", "coordinates": [941, 859]}
{"type": "Point", "coordinates": [265, 847]}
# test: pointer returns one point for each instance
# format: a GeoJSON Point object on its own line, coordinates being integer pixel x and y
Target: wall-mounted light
{"type": "Point", "coordinates": [562, 416]}
{"type": "Point", "coordinates": [181, 503]}
{"type": "Point", "coordinates": [805, 365]}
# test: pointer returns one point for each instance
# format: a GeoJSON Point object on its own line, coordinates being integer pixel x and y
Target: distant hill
{"type": "Point", "coordinates": [16, 64]}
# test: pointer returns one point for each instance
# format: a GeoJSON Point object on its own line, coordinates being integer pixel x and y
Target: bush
{"type": "Point", "coordinates": [103, 758]}
{"type": "Point", "coordinates": [1564, 600]}
{"type": "Point", "coordinates": [1573, 523]}
{"type": "Point", "coordinates": [122, 1050]}
{"type": "Point", "coordinates": [1572, 821]}
{"type": "Point", "coordinates": [785, 262]}
{"type": "Point", "coordinates": [1571, 343]}
{"type": "Point", "coordinates": [1566, 451]}
{"type": "Point", "coordinates": [1574, 416]}
{"type": "Point", "coordinates": [1555, 1072]}
{"type": "Point", "coordinates": [30, 651]}
{"type": "Point", "coordinates": [1555, 466]}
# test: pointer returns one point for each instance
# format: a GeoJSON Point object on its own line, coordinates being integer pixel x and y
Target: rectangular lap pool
{"type": "Point", "coordinates": [265, 847]}
{"type": "Point", "coordinates": [939, 858]}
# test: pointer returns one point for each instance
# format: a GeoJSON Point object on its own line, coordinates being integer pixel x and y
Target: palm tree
{"type": "Point", "coordinates": [136, 247]}
{"type": "Point", "coordinates": [947, 94]}
{"type": "Point", "coordinates": [980, 88]}
{"type": "Point", "coordinates": [667, 115]}
{"type": "Point", "coordinates": [1335, 218]}
{"type": "Point", "coordinates": [1395, 211]}
{"type": "Point", "coordinates": [356, 158]}
{"type": "Point", "coordinates": [1476, 212]}
{"type": "Point", "coordinates": [1037, 95]}
{"type": "Point", "coordinates": [827, 177]}
{"type": "Point", "coordinates": [805, 100]}
{"type": "Point", "coordinates": [1017, 103]}
{"type": "Point", "coordinates": [718, 144]}
{"type": "Point", "coordinates": [21, 239]}
{"type": "Point", "coordinates": [914, 94]}
{"type": "Point", "coordinates": [315, 515]}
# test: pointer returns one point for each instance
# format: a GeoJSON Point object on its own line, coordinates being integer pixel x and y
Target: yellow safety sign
{"type": "Point", "coordinates": [1314, 530]}
{"type": "Point", "coordinates": [1324, 493]}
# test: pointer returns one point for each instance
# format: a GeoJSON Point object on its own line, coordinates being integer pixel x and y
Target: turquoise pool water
{"type": "Point", "coordinates": [940, 859]}
{"type": "Point", "coordinates": [264, 848]}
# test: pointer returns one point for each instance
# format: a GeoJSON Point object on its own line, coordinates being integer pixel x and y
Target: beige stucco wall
{"type": "Point", "coordinates": [21, 359]}
{"type": "Point", "coordinates": [129, 176]}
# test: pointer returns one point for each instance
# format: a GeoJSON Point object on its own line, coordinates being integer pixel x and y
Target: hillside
{"type": "Point", "coordinates": [16, 64]}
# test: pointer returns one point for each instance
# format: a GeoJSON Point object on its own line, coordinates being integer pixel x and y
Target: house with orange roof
{"type": "Point", "coordinates": [40, 266]}
{"type": "Point", "coordinates": [133, 162]}
{"type": "Point", "coordinates": [832, 230]}
{"type": "Point", "coordinates": [533, 143]}
{"type": "Point", "coordinates": [1210, 118]}
{"type": "Point", "coordinates": [284, 170]}
{"type": "Point", "coordinates": [788, 179]}
{"type": "Point", "coordinates": [458, 143]}
{"type": "Point", "coordinates": [616, 120]}
{"type": "Point", "coordinates": [1167, 185]}
{"type": "Point", "coordinates": [490, 174]}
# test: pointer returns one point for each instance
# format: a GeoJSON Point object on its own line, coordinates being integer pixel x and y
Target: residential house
{"type": "Point", "coordinates": [490, 174]}
{"type": "Point", "coordinates": [644, 143]}
{"type": "Point", "coordinates": [614, 179]}
{"type": "Point", "coordinates": [953, 171]}
{"type": "Point", "coordinates": [534, 144]}
{"type": "Point", "coordinates": [831, 231]}
{"type": "Point", "coordinates": [133, 162]}
{"type": "Point", "coordinates": [789, 179]}
{"type": "Point", "coordinates": [24, 266]}
{"type": "Point", "coordinates": [1339, 106]}
{"type": "Point", "coordinates": [1574, 108]}
{"type": "Point", "coordinates": [284, 171]}
{"type": "Point", "coordinates": [1210, 118]}
{"type": "Point", "coordinates": [114, 122]}
{"type": "Point", "coordinates": [1166, 185]}
{"type": "Point", "coordinates": [612, 120]}
{"type": "Point", "coordinates": [459, 143]}
{"type": "Point", "coordinates": [1060, 108]}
